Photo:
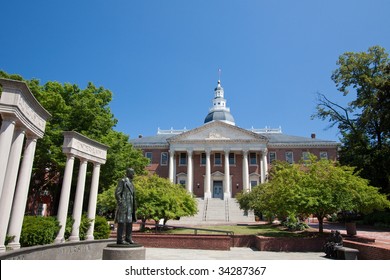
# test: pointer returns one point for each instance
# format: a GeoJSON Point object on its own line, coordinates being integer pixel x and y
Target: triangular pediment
{"type": "Point", "coordinates": [218, 131]}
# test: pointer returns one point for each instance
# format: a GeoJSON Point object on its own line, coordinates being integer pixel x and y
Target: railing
{"type": "Point", "coordinates": [159, 227]}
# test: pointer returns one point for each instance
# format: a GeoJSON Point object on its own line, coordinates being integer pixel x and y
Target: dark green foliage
{"type": "Point", "coordinates": [84, 225]}
{"type": "Point", "coordinates": [101, 229]}
{"type": "Point", "coordinates": [38, 230]}
{"type": "Point", "coordinates": [378, 218]}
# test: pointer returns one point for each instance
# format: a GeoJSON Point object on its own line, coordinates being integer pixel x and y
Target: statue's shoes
{"type": "Point", "coordinates": [123, 243]}
{"type": "Point", "coordinates": [129, 241]}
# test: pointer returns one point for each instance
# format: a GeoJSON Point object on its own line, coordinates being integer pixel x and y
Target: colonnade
{"type": "Point", "coordinates": [227, 174]}
{"type": "Point", "coordinates": [86, 150]}
{"type": "Point", "coordinates": [23, 122]}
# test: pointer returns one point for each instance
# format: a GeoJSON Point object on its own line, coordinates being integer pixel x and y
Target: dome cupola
{"type": "Point", "coordinates": [219, 111]}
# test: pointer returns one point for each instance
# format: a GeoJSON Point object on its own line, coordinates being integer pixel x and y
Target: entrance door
{"type": "Point", "coordinates": [218, 189]}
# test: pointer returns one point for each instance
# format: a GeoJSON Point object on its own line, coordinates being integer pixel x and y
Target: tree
{"type": "Point", "coordinates": [158, 198]}
{"type": "Point", "coordinates": [364, 123]}
{"type": "Point", "coordinates": [319, 187]}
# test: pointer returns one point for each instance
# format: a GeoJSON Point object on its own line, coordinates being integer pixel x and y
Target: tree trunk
{"type": "Point", "coordinates": [320, 224]}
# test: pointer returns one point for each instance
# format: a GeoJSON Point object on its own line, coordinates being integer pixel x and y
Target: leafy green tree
{"type": "Point", "coordinates": [364, 123]}
{"type": "Point", "coordinates": [158, 198]}
{"type": "Point", "coordinates": [319, 187]}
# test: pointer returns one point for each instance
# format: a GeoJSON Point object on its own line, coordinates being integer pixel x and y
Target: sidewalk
{"type": "Point", "coordinates": [233, 254]}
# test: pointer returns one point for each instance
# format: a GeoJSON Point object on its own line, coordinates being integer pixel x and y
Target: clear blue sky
{"type": "Point", "coordinates": [161, 58]}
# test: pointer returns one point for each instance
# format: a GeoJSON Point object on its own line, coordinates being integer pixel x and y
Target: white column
{"type": "Point", "coordinates": [64, 198]}
{"type": "Point", "coordinates": [6, 135]}
{"type": "Point", "coordinates": [262, 170]}
{"type": "Point", "coordinates": [207, 187]}
{"type": "Point", "coordinates": [172, 164]}
{"type": "Point", "coordinates": [78, 201]}
{"type": "Point", "coordinates": [245, 171]}
{"type": "Point", "coordinates": [21, 194]}
{"type": "Point", "coordinates": [7, 196]}
{"type": "Point", "coordinates": [190, 176]}
{"type": "Point", "coordinates": [93, 199]}
{"type": "Point", "coordinates": [227, 193]}
{"type": "Point", "coordinates": [265, 165]}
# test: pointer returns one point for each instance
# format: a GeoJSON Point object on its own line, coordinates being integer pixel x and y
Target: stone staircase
{"type": "Point", "coordinates": [216, 211]}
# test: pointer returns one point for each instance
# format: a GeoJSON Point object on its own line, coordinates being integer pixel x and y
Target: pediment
{"type": "Point", "coordinates": [216, 132]}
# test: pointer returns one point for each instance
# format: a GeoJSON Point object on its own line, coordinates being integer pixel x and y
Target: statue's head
{"type": "Point", "coordinates": [130, 173]}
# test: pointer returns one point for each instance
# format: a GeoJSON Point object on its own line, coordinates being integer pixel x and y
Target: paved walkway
{"type": "Point", "coordinates": [233, 254]}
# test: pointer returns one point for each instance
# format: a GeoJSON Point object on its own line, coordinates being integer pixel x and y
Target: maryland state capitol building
{"type": "Point", "coordinates": [220, 159]}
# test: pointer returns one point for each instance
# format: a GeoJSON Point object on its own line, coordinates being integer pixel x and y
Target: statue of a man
{"type": "Point", "coordinates": [126, 208]}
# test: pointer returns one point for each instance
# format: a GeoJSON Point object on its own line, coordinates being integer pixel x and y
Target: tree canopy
{"type": "Point", "coordinates": [157, 198]}
{"type": "Point", "coordinates": [364, 123]}
{"type": "Point", "coordinates": [319, 187]}
{"type": "Point", "coordinates": [86, 111]}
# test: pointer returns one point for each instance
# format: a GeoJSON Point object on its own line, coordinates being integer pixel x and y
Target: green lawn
{"type": "Point", "coordinates": [264, 230]}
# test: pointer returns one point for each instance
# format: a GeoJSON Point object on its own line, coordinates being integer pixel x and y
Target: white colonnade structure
{"type": "Point", "coordinates": [86, 150]}
{"type": "Point", "coordinates": [23, 121]}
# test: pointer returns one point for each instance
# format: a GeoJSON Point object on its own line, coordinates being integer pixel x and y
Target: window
{"type": "Point", "coordinates": [272, 157]}
{"type": "Point", "coordinates": [232, 159]}
{"type": "Point", "coordinates": [148, 155]}
{"type": "Point", "coordinates": [252, 158]}
{"type": "Point", "coordinates": [323, 155]}
{"type": "Point", "coordinates": [217, 159]}
{"type": "Point", "coordinates": [289, 157]}
{"type": "Point", "coordinates": [203, 159]}
{"type": "Point", "coordinates": [164, 158]}
{"type": "Point", "coordinates": [254, 183]}
{"type": "Point", "coordinates": [182, 182]}
{"type": "Point", "coordinates": [183, 159]}
{"type": "Point", "coordinates": [305, 156]}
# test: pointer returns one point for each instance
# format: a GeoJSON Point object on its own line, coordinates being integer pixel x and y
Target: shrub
{"type": "Point", "coordinates": [102, 228]}
{"type": "Point", "coordinates": [379, 218]}
{"type": "Point", "coordinates": [84, 225]}
{"type": "Point", "coordinates": [38, 230]}
{"type": "Point", "coordinates": [293, 224]}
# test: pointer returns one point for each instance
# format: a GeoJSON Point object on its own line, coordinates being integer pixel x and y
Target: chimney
{"type": "Point", "coordinates": [313, 136]}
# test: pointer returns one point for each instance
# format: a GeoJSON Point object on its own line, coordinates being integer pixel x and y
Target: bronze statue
{"type": "Point", "coordinates": [334, 241]}
{"type": "Point", "coordinates": [126, 208]}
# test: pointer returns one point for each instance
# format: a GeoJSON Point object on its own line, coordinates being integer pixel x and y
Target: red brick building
{"type": "Point", "coordinates": [219, 159]}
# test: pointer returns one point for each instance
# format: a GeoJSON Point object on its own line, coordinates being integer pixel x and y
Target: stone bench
{"type": "Point", "coordinates": [346, 253]}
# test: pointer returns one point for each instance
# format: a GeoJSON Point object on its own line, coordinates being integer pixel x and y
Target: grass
{"type": "Point", "coordinates": [263, 230]}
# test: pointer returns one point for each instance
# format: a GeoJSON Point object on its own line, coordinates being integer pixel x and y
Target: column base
{"type": "Point", "coordinates": [207, 195]}
{"type": "Point", "coordinates": [90, 237]}
{"type": "Point", "coordinates": [74, 238]}
{"type": "Point", "coordinates": [227, 195]}
{"type": "Point", "coordinates": [13, 246]}
{"type": "Point", "coordinates": [59, 240]}
{"type": "Point", "coordinates": [2, 249]}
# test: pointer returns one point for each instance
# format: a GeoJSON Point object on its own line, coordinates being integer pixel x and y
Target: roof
{"type": "Point", "coordinates": [274, 140]}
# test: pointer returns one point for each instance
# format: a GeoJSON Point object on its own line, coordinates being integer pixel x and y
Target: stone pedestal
{"type": "Point", "coordinates": [124, 252]}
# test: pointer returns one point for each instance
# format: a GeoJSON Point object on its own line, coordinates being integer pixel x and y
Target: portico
{"type": "Point", "coordinates": [23, 121]}
{"type": "Point", "coordinates": [214, 150]}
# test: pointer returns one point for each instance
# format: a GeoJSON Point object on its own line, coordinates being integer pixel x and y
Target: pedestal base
{"type": "Point", "coordinates": [124, 252]}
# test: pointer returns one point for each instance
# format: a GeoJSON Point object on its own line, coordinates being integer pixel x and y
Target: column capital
{"type": "Point", "coordinates": [190, 151]}
{"type": "Point", "coordinates": [207, 151]}
{"type": "Point", "coordinates": [245, 152]}
{"type": "Point", "coordinates": [226, 151]}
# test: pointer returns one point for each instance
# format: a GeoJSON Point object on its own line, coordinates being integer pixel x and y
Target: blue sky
{"type": "Point", "coordinates": [161, 58]}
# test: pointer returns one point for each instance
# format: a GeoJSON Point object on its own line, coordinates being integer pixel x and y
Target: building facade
{"type": "Point", "coordinates": [220, 159]}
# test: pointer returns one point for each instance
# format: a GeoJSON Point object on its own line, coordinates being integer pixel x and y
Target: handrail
{"type": "Point", "coordinates": [159, 227]}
